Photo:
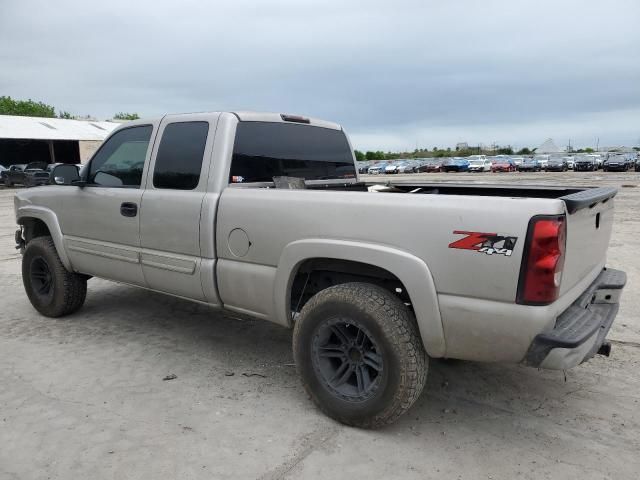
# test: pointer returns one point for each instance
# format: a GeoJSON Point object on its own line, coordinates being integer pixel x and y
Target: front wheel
{"type": "Point", "coordinates": [359, 354]}
{"type": "Point", "coordinates": [52, 289]}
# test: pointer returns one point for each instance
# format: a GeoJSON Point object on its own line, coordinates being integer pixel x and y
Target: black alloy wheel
{"type": "Point", "coordinates": [346, 357]}
{"type": "Point", "coordinates": [41, 278]}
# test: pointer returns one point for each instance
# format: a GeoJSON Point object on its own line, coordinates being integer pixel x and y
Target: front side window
{"type": "Point", "coordinates": [179, 158]}
{"type": "Point", "coordinates": [120, 161]}
{"type": "Point", "coordinates": [263, 150]}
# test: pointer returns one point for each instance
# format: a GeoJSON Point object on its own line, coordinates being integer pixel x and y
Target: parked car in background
{"type": "Point", "coordinates": [542, 160]}
{"type": "Point", "coordinates": [407, 167]}
{"type": "Point", "coordinates": [529, 165]}
{"type": "Point", "coordinates": [570, 162]}
{"type": "Point", "coordinates": [28, 175]}
{"type": "Point", "coordinates": [391, 168]}
{"type": "Point", "coordinates": [599, 160]}
{"type": "Point", "coordinates": [617, 163]}
{"type": "Point", "coordinates": [637, 165]}
{"type": "Point", "coordinates": [585, 163]}
{"type": "Point", "coordinates": [2, 170]}
{"type": "Point", "coordinates": [517, 160]}
{"type": "Point", "coordinates": [430, 166]}
{"type": "Point", "coordinates": [479, 165]}
{"type": "Point", "coordinates": [503, 164]}
{"type": "Point", "coordinates": [363, 167]}
{"type": "Point", "coordinates": [455, 164]}
{"type": "Point", "coordinates": [475, 157]}
{"type": "Point", "coordinates": [377, 168]}
{"type": "Point", "coordinates": [557, 165]}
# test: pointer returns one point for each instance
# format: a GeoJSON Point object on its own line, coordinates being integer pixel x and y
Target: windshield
{"type": "Point", "coordinates": [263, 150]}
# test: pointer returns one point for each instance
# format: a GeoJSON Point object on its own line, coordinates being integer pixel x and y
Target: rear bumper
{"type": "Point", "coordinates": [581, 329]}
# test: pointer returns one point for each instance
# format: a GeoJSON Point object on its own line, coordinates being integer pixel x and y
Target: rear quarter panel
{"type": "Point", "coordinates": [472, 284]}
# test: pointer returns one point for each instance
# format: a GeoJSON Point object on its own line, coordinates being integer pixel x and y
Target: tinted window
{"type": "Point", "coordinates": [120, 161]}
{"type": "Point", "coordinates": [264, 150]}
{"type": "Point", "coordinates": [179, 158]}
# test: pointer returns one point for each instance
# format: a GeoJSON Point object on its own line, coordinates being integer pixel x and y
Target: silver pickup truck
{"type": "Point", "coordinates": [265, 215]}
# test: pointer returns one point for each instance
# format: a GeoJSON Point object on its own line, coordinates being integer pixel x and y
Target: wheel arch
{"type": "Point", "coordinates": [412, 273]}
{"type": "Point", "coordinates": [39, 221]}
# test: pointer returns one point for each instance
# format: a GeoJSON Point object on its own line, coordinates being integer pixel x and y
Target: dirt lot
{"type": "Point", "coordinates": [84, 397]}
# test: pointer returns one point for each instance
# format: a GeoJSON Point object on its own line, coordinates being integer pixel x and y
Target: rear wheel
{"type": "Point", "coordinates": [52, 289]}
{"type": "Point", "coordinates": [359, 354]}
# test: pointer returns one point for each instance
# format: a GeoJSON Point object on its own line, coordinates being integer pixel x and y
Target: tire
{"type": "Point", "coordinates": [354, 333]}
{"type": "Point", "coordinates": [52, 289]}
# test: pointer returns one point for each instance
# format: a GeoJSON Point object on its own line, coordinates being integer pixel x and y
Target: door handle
{"type": "Point", "coordinates": [128, 209]}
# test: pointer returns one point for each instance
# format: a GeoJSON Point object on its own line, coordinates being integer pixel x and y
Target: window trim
{"type": "Point", "coordinates": [87, 170]}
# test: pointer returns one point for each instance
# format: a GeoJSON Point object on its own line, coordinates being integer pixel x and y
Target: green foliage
{"type": "Point", "coordinates": [126, 116]}
{"type": "Point", "coordinates": [359, 155]}
{"type": "Point", "coordinates": [65, 114]}
{"type": "Point", "coordinates": [505, 151]}
{"type": "Point", "coordinates": [25, 108]}
{"type": "Point", "coordinates": [378, 155]}
{"type": "Point", "coordinates": [524, 151]}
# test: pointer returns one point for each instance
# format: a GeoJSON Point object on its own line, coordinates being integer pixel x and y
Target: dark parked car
{"type": "Point", "coordinates": [585, 164]}
{"type": "Point", "coordinates": [363, 167]}
{"type": "Point", "coordinates": [618, 163]}
{"type": "Point", "coordinates": [29, 175]}
{"type": "Point", "coordinates": [557, 165]}
{"type": "Point", "coordinates": [455, 165]}
{"type": "Point", "coordinates": [529, 165]}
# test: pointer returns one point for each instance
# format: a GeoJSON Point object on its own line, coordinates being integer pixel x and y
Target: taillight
{"type": "Point", "coordinates": [543, 261]}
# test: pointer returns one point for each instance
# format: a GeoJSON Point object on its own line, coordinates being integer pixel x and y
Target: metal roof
{"type": "Point", "coordinates": [40, 128]}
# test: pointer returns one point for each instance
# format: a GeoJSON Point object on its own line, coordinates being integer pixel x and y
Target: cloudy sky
{"type": "Point", "coordinates": [397, 74]}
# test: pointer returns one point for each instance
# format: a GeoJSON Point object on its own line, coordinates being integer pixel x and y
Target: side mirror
{"type": "Point", "coordinates": [65, 175]}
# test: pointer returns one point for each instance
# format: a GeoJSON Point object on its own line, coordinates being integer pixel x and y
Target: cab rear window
{"type": "Point", "coordinates": [263, 150]}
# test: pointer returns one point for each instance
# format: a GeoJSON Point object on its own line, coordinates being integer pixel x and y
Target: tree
{"type": "Point", "coordinates": [505, 151]}
{"type": "Point", "coordinates": [126, 116]}
{"type": "Point", "coordinates": [359, 155]}
{"type": "Point", "coordinates": [65, 114]}
{"type": "Point", "coordinates": [25, 108]}
{"type": "Point", "coordinates": [524, 151]}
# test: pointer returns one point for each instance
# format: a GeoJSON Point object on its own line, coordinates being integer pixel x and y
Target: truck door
{"type": "Point", "coordinates": [171, 255]}
{"type": "Point", "coordinates": [101, 222]}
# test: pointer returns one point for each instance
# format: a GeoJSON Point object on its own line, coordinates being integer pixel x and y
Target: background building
{"type": "Point", "coordinates": [49, 140]}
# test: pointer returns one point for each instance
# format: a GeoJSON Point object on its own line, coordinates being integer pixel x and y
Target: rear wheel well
{"type": "Point", "coordinates": [316, 274]}
{"type": "Point", "coordinates": [32, 228]}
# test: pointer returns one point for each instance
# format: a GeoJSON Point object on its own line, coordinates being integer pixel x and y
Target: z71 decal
{"type": "Point", "coordinates": [489, 243]}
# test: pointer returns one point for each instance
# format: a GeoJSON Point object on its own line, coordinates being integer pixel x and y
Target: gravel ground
{"type": "Point", "coordinates": [84, 397]}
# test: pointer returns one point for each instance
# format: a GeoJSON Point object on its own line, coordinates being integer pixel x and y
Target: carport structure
{"type": "Point", "coordinates": [49, 140]}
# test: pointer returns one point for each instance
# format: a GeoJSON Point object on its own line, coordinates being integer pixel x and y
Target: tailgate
{"type": "Point", "coordinates": [589, 224]}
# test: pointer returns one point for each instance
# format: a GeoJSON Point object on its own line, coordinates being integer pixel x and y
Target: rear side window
{"type": "Point", "coordinates": [263, 150]}
{"type": "Point", "coordinates": [179, 158]}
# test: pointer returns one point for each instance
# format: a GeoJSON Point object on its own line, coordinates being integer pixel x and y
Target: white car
{"type": "Point", "coordinates": [517, 161]}
{"type": "Point", "coordinates": [570, 162]}
{"type": "Point", "coordinates": [479, 165]}
{"type": "Point", "coordinates": [543, 161]}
